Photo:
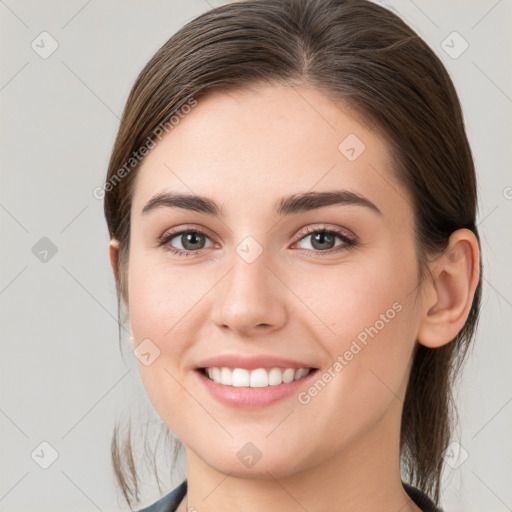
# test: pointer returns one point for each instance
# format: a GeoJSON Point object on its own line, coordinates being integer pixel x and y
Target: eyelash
{"type": "Point", "coordinates": [348, 243]}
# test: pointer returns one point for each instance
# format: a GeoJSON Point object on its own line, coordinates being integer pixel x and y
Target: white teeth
{"type": "Point", "coordinates": [240, 377]}
{"type": "Point", "coordinates": [226, 377]}
{"type": "Point", "coordinates": [302, 372]}
{"type": "Point", "coordinates": [275, 376]}
{"type": "Point", "coordinates": [288, 375]}
{"type": "Point", "coordinates": [258, 378]}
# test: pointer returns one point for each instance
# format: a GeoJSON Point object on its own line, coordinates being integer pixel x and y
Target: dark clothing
{"type": "Point", "coordinates": [420, 499]}
{"type": "Point", "coordinates": [170, 502]}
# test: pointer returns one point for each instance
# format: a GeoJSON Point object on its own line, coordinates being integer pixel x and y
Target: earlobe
{"type": "Point", "coordinates": [449, 297]}
{"type": "Point", "coordinates": [114, 255]}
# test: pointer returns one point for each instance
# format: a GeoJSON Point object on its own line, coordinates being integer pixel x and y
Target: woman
{"type": "Point", "coordinates": [291, 202]}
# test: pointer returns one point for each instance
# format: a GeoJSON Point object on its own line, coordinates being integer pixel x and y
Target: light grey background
{"type": "Point", "coordinates": [63, 379]}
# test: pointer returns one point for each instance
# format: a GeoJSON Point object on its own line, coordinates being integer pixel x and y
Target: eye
{"type": "Point", "coordinates": [192, 241]}
{"type": "Point", "coordinates": [323, 240]}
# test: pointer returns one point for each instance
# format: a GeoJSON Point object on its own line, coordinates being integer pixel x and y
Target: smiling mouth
{"type": "Point", "coordinates": [257, 378]}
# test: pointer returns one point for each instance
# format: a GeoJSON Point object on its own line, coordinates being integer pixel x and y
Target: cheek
{"type": "Point", "coordinates": [162, 302]}
{"type": "Point", "coordinates": [353, 298]}
{"type": "Point", "coordinates": [159, 314]}
{"type": "Point", "coordinates": [370, 313]}
{"type": "Point", "coordinates": [160, 319]}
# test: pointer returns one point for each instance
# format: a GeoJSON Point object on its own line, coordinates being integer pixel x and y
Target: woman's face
{"type": "Point", "coordinates": [261, 278]}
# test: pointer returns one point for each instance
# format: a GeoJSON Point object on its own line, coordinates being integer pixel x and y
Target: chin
{"type": "Point", "coordinates": [252, 462]}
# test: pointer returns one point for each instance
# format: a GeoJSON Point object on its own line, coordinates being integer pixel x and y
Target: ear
{"type": "Point", "coordinates": [114, 255]}
{"type": "Point", "coordinates": [114, 261]}
{"type": "Point", "coordinates": [449, 295]}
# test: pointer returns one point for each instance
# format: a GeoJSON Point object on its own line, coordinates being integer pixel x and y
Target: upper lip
{"type": "Point", "coordinates": [250, 362]}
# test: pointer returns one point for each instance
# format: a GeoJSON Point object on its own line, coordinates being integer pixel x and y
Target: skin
{"type": "Point", "coordinates": [245, 151]}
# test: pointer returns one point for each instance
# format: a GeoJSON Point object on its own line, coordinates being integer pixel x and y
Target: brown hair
{"type": "Point", "coordinates": [372, 62]}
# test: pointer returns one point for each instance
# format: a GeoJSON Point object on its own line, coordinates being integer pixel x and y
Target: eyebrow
{"type": "Point", "coordinates": [293, 204]}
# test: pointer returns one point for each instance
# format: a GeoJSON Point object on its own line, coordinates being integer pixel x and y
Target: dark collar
{"type": "Point", "coordinates": [170, 502]}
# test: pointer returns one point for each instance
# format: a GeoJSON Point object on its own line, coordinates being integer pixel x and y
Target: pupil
{"type": "Point", "coordinates": [191, 238]}
{"type": "Point", "coordinates": [320, 239]}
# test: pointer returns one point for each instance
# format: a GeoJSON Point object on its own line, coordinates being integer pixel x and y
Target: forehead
{"type": "Point", "coordinates": [265, 143]}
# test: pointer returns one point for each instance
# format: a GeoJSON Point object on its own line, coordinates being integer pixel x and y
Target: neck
{"type": "Point", "coordinates": [363, 476]}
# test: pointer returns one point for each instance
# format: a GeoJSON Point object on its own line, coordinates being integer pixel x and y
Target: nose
{"type": "Point", "coordinates": [251, 299]}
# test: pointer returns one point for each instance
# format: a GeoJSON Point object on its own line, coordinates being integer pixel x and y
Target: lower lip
{"type": "Point", "coordinates": [247, 397]}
